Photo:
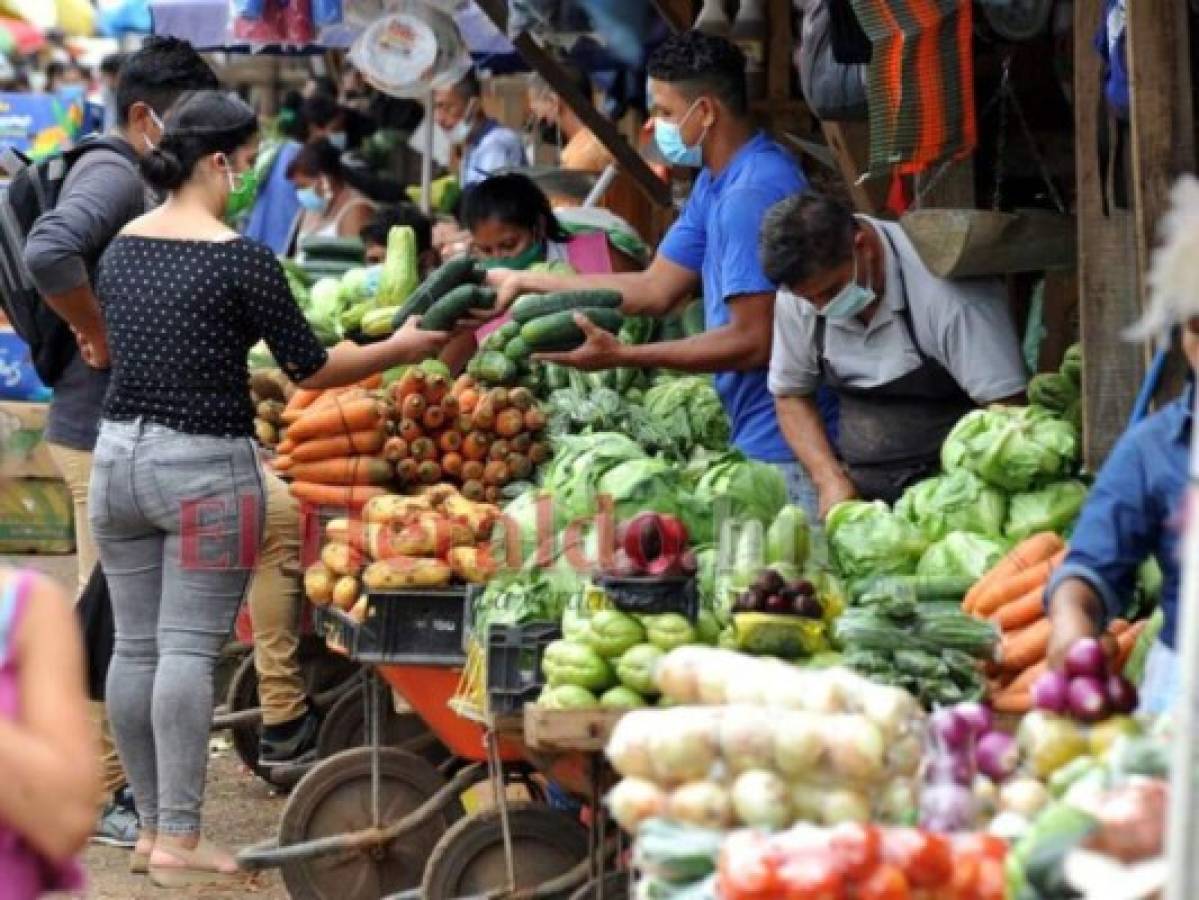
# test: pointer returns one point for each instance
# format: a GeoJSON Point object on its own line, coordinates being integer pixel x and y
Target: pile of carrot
{"type": "Point", "coordinates": [1012, 596]}
{"type": "Point", "coordinates": [332, 451]}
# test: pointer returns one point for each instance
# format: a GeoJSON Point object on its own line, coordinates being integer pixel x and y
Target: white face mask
{"type": "Point", "coordinates": [150, 145]}
{"type": "Point", "coordinates": [460, 133]}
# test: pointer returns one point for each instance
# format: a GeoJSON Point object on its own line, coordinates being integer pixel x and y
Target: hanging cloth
{"type": "Point", "coordinates": [921, 82]}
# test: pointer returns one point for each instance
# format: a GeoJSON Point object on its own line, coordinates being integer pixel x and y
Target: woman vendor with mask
{"type": "Point", "coordinates": [512, 226]}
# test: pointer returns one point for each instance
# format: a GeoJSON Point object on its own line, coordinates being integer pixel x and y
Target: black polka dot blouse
{"type": "Point", "coordinates": [181, 317]}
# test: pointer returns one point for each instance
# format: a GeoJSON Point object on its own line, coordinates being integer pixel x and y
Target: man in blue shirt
{"type": "Point", "coordinates": [485, 146]}
{"type": "Point", "coordinates": [1134, 511]}
{"type": "Point", "coordinates": [701, 111]}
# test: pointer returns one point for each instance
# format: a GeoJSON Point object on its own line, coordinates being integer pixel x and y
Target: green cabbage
{"type": "Point", "coordinates": [653, 485]}
{"type": "Point", "coordinates": [573, 475]}
{"type": "Point", "coordinates": [1013, 448]}
{"type": "Point", "coordinates": [739, 488]}
{"type": "Point", "coordinates": [1052, 508]}
{"type": "Point", "coordinates": [956, 501]}
{"type": "Point", "coordinates": [962, 553]}
{"type": "Point", "coordinates": [690, 410]}
{"type": "Point", "coordinates": [868, 539]}
{"type": "Point", "coordinates": [325, 302]}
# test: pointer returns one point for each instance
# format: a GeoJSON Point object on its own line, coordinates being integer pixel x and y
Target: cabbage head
{"type": "Point", "coordinates": [962, 553]}
{"type": "Point", "coordinates": [741, 489]}
{"type": "Point", "coordinates": [653, 485]}
{"type": "Point", "coordinates": [956, 501]}
{"type": "Point", "coordinates": [520, 527]}
{"type": "Point", "coordinates": [1013, 448]}
{"type": "Point", "coordinates": [574, 473]}
{"type": "Point", "coordinates": [1052, 508]}
{"type": "Point", "coordinates": [868, 539]}
{"type": "Point", "coordinates": [690, 410]}
{"type": "Point", "coordinates": [325, 302]}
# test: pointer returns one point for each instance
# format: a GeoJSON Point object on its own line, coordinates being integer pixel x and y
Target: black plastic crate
{"type": "Point", "coordinates": [652, 594]}
{"type": "Point", "coordinates": [336, 627]}
{"type": "Point", "coordinates": [416, 627]}
{"type": "Point", "coordinates": [514, 655]}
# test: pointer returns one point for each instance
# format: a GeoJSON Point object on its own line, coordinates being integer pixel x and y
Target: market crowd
{"type": "Point", "coordinates": [838, 355]}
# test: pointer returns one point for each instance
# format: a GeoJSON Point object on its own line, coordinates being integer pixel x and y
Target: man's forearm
{"type": "Point", "coordinates": [802, 426]}
{"type": "Point", "coordinates": [80, 309]}
{"type": "Point", "coordinates": [719, 350]}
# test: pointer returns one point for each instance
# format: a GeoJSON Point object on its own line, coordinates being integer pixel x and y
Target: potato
{"type": "Point", "coordinates": [270, 411]}
{"type": "Point", "coordinates": [406, 572]}
{"type": "Point", "coordinates": [318, 584]}
{"type": "Point", "coordinates": [479, 517]}
{"type": "Point", "coordinates": [269, 385]}
{"type": "Point", "coordinates": [345, 592]}
{"type": "Point", "coordinates": [394, 508]}
{"type": "Point", "coordinates": [472, 564]}
{"type": "Point", "coordinates": [266, 433]}
{"type": "Point", "coordinates": [341, 559]}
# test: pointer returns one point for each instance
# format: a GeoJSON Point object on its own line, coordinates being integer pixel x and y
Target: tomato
{"type": "Point", "coordinates": [747, 868]}
{"type": "Point", "coordinates": [886, 882]}
{"type": "Point", "coordinates": [979, 843]}
{"type": "Point", "coordinates": [925, 858]}
{"type": "Point", "coordinates": [856, 848]}
{"type": "Point", "coordinates": [991, 883]}
{"type": "Point", "coordinates": [965, 877]}
{"type": "Point", "coordinates": [808, 877]}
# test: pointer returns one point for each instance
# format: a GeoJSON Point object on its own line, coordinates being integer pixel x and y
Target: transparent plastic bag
{"type": "Point", "coordinates": [413, 48]}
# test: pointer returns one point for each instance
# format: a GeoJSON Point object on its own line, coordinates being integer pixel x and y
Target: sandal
{"type": "Point", "coordinates": [201, 865]}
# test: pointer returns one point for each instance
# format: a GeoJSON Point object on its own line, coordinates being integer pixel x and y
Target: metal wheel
{"type": "Point", "coordinates": [344, 727]}
{"type": "Point", "coordinates": [322, 670]}
{"type": "Point", "coordinates": [468, 861]}
{"type": "Point", "coordinates": [335, 798]}
{"type": "Point", "coordinates": [615, 887]}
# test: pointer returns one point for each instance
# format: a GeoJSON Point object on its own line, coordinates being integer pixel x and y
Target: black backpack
{"type": "Point", "coordinates": [33, 189]}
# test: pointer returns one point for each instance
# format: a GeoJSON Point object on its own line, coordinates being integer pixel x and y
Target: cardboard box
{"type": "Point", "coordinates": [36, 516]}
{"type": "Point", "coordinates": [25, 454]}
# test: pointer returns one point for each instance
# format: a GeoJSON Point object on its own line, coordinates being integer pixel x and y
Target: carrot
{"type": "Point", "coordinates": [286, 446]}
{"type": "Point", "coordinates": [1024, 680]}
{"type": "Point", "coordinates": [368, 442]}
{"type": "Point", "coordinates": [282, 463]}
{"type": "Point", "coordinates": [371, 382]}
{"type": "Point", "coordinates": [1028, 552]}
{"type": "Point", "coordinates": [1024, 610]}
{"type": "Point", "coordinates": [335, 495]}
{"type": "Point", "coordinates": [340, 417]}
{"type": "Point", "coordinates": [1117, 627]}
{"type": "Point", "coordinates": [344, 470]}
{"type": "Point", "coordinates": [1017, 702]}
{"type": "Point", "coordinates": [1026, 647]}
{"type": "Point", "coordinates": [300, 401]}
{"type": "Point", "coordinates": [1126, 641]}
{"type": "Point", "coordinates": [1015, 586]}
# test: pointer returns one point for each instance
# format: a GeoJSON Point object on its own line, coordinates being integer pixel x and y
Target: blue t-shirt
{"type": "Point", "coordinates": [717, 236]}
{"type": "Point", "coordinates": [273, 217]}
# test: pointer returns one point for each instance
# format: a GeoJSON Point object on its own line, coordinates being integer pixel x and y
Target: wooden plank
{"type": "Point", "coordinates": [554, 730]}
{"type": "Point", "coordinates": [678, 14]}
{"type": "Point", "coordinates": [850, 143]}
{"type": "Point", "coordinates": [1107, 269]}
{"type": "Point", "coordinates": [778, 50]}
{"type": "Point", "coordinates": [544, 64]}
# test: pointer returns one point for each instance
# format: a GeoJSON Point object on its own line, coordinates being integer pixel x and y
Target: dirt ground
{"type": "Point", "coordinates": [239, 809]}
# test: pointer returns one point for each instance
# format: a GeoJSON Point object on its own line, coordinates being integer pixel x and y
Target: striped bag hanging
{"type": "Point", "coordinates": [921, 83]}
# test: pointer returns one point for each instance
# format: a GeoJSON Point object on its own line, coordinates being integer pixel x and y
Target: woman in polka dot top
{"type": "Point", "coordinates": [177, 494]}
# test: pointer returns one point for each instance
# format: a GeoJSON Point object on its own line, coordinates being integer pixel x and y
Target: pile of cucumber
{"type": "Point", "coordinates": [542, 323]}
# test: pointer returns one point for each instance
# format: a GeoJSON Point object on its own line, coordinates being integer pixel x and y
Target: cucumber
{"type": "Point", "coordinates": [452, 306]}
{"type": "Point", "coordinates": [440, 282]}
{"type": "Point", "coordinates": [516, 349]}
{"type": "Point", "coordinates": [558, 331]}
{"type": "Point", "coordinates": [337, 249]}
{"type": "Point", "coordinates": [534, 306]}
{"type": "Point", "coordinates": [495, 368]}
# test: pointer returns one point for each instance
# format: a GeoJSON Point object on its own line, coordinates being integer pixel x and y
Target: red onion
{"type": "Point", "coordinates": [1049, 692]}
{"type": "Point", "coordinates": [1087, 699]}
{"type": "Point", "coordinates": [1121, 695]}
{"type": "Point", "coordinates": [956, 767]}
{"type": "Point", "coordinates": [977, 717]}
{"type": "Point", "coordinates": [947, 808]}
{"type": "Point", "coordinates": [997, 755]}
{"type": "Point", "coordinates": [951, 730]}
{"type": "Point", "coordinates": [1086, 658]}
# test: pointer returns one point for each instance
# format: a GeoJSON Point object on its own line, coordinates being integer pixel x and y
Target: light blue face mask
{"type": "Point", "coordinates": [850, 300]}
{"type": "Point", "coordinates": [338, 139]}
{"type": "Point", "coordinates": [311, 200]}
{"type": "Point", "coordinates": [669, 138]}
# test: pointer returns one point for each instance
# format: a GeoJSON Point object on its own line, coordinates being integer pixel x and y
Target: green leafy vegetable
{"type": "Point", "coordinates": [690, 409]}
{"type": "Point", "coordinates": [956, 501]}
{"type": "Point", "coordinates": [738, 488]}
{"type": "Point", "coordinates": [1052, 508]}
{"type": "Point", "coordinates": [961, 553]}
{"type": "Point", "coordinates": [1013, 448]}
{"type": "Point", "coordinates": [868, 539]}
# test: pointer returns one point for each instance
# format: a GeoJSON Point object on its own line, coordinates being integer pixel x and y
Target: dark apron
{"type": "Point", "coordinates": [891, 435]}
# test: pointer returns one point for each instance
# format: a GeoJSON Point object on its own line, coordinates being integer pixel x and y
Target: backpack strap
{"type": "Point", "coordinates": [13, 594]}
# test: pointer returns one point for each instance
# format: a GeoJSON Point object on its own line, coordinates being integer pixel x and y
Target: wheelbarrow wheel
{"type": "Point", "coordinates": [615, 887]}
{"type": "Point", "coordinates": [335, 798]}
{"type": "Point", "coordinates": [344, 727]}
{"type": "Point", "coordinates": [322, 671]}
{"type": "Point", "coordinates": [468, 861]}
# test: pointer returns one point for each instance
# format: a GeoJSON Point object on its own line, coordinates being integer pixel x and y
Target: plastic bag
{"type": "Point", "coordinates": [413, 49]}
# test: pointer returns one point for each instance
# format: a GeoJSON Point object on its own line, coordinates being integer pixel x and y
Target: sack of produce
{"type": "Point", "coordinates": [1013, 448]}
{"type": "Point", "coordinates": [955, 501]}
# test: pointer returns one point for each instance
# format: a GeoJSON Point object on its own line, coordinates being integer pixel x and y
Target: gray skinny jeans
{"type": "Point", "coordinates": [178, 521]}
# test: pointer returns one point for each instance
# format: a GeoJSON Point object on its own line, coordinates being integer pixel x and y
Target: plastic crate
{"type": "Point", "coordinates": [651, 595]}
{"type": "Point", "coordinates": [417, 628]}
{"type": "Point", "coordinates": [337, 628]}
{"type": "Point", "coordinates": [514, 655]}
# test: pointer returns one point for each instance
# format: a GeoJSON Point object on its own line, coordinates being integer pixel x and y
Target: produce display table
{"type": "Point", "coordinates": [569, 730]}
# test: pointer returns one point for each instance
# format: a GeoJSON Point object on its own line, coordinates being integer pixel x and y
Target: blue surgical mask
{"type": "Point", "coordinates": [669, 138]}
{"type": "Point", "coordinates": [311, 200]}
{"type": "Point", "coordinates": [850, 300]}
{"type": "Point", "coordinates": [337, 139]}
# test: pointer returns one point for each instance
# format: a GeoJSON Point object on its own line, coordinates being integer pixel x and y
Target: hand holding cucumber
{"type": "Point", "coordinates": [415, 344]}
{"type": "Point", "coordinates": [600, 349]}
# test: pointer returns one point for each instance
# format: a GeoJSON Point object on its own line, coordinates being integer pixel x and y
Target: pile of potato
{"type": "Point", "coordinates": [269, 392]}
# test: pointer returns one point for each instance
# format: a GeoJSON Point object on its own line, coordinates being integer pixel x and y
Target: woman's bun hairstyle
{"type": "Point", "coordinates": [199, 124]}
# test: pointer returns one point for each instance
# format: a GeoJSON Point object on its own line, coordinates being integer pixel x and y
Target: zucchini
{"type": "Point", "coordinates": [558, 331]}
{"type": "Point", "coordinates": [333, 249]}
{"type": "Point", "coordinates": [495, 368]}
{"type": "Point", "coordinates": [516, 349]}
{"type": "Point", "coordinates": [445, 312]}
{"type": "Point", "coordinates": [440, 282]}
{"type": "Point", "coordinates": [534, 306]}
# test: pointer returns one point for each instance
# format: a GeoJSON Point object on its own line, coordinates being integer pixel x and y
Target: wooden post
{"type": "Point", "coordinates": [544, 64]}
{"type": "Point", "coordinates": [778, 50]}
{"type": "Point", "coordinates": [850, 143]}
{"type": "Point", "coordinates": [1107, 266]}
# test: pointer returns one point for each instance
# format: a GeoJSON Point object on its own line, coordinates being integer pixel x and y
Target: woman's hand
{"type": "Point", "coordinates": [413, 344]}
{"type": "Point", "coordinates": [93, 350]}
{"type": "Point", "coordinates": [508, 284]}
